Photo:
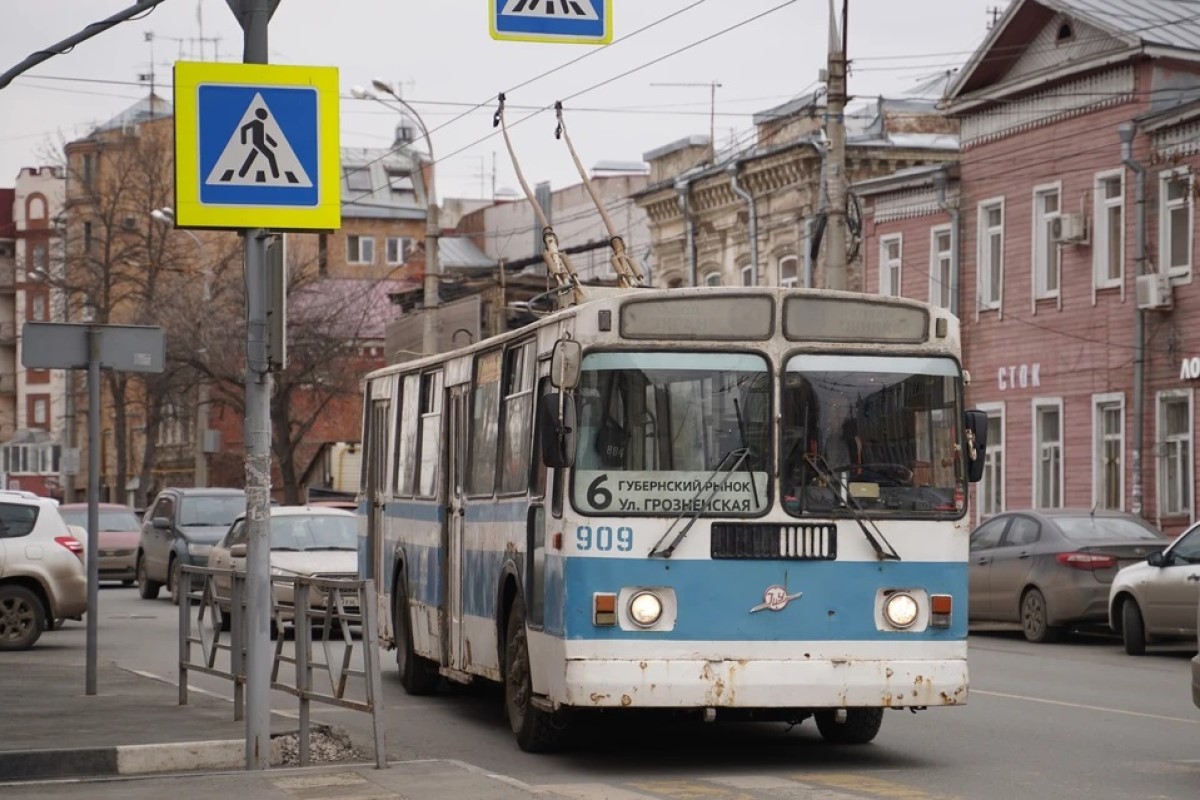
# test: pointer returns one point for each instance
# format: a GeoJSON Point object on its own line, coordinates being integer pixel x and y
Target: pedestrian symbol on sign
{"type": "Point", "coordinates": [579, 9]}
{"type": "Point", "coordinates": [258, 154]}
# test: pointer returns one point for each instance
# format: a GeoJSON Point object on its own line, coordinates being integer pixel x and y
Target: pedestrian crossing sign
{"type": "Point", "coordinates": [571, 21]}
{"type": "Point", "coordinates": [256, 146]}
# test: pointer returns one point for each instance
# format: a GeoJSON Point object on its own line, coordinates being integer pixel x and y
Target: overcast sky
{"type": "Point", "coordinates": [441, 56]}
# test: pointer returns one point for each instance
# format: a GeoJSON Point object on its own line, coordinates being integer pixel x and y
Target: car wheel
{"type": "Point", "coordinates": [1035, 618]}
{"type": "Point", "coordinates": [418, 675]}
{"type": "Point", "coordinates": [147, 589]}
{"type": "Point", "coordinates": [21, 618]}
{"type": "Point", "coordinates": [173, 580]}
{"type": "Point", "coordinates": [1133, 628]}
{"type": "Point", "coordinates": [536, 730]}
{"type": "Point", "coordinates": [860, 726]}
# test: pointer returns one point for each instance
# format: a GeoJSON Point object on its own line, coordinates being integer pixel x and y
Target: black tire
{"type": "Point", "coordinates": [1035, 619]}
{"type": "Point", "coordinates": [860, 726]}
{"type": "Point", "coordinates": [418, 675]}
{"type": "Point", "coordinates": [536, 731]}
{"type": "Point", "coordinates": [147, 589]}
{"type": "Point", "coordinates": [1133, 628]}
{"type": "Point", "coordinates": [127, 583]}
{"type": "Point", "coordinates": [22, 617]}
{"type": "Point", "coordinates": [173, 580]}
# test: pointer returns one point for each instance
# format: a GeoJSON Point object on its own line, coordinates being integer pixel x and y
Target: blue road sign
{"type": "Point", "coordinates": [258, 145]}
{"type": "Point", "coordinates": [575, 21]}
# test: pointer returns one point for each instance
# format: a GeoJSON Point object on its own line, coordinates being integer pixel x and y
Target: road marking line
{"type": "Point", "coordinates": [687, 790]}
{"type": "Point", "coordinates": [1085, 707]}
{"type": "Point", "coordinates": [875, 787]}
{"type": "Point", "coordinates": [593, 791]}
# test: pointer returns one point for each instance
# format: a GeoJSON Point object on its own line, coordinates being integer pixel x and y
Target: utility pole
{"type": "Point", "coordinates": [712, 87]}
{"type": "Point", "coordinates": [254, 16]}
{"type": "Point", "coordinates": [835, 163]}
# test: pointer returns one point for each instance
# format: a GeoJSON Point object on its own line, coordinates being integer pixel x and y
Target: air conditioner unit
{"type": "Point", "coordinates": [1069, 229]}
{"type": "Point", "coordinates": [1153, 291]}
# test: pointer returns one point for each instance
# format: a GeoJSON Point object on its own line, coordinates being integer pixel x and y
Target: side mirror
{"type": "Point", "coordinates": [162, 523]}
{"type": "Point", "coordinates": [237, 550]}
{"type": "Point", "coordinates": [565, 363]}
{"type": "Point", "coordinates": [557, 430]}
{"type": "Point", "coordinates": [975, 423]}
{"type": "Point", "coordinates": [1157, 559]}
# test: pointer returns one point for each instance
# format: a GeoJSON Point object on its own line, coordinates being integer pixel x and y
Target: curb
{"type": "Point", "coordinates": [136, 759]}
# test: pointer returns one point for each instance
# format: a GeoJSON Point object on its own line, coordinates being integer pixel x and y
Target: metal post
{"type": "Point", "coordinates": [185, 636]}
{"type": "Point", "coordinates": [303, 642]}
{"type": "Point", "coordinates": [370, 636]}
{"type": "Point", "coordinates": [255, 17]}
{"type": "Point", "coordinates": [835, 128]}
{"type": "Point", "coordinates": [237, 646]}
{"type": "Point", "coordinates": [93, 512]}
{"type": "Point", "coordinates": [431, 301]}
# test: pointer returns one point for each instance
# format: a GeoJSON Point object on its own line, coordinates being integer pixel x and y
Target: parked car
{"type": "Point", "coordinates": [42, 577]}
{"type": "Point", "coordinates": [305, 540]}
{"type": "Point", "coordinates": [1157, 598]}
{"type": "Point", "coordinates": [120, 532]}
{"type": "Point", "coordinates": [180, 529]}
{"type": "Point", "coordinates": [1051, 568]}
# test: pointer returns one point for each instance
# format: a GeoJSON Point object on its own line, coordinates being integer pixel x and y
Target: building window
{"type": "Point", "coordinates": [37, 207]}
{"type": "Point", "coordinates": [1045, 249]}
{"type": "Point", "coordinates": [89, 170]}
{"type": "Point", "coordinates": [41, 411]}
{"type": "Point", "coordinates": [991, 254]}
{"type": "Point", "coordinates": [747, 275]}
{"type": "Point", "coordinates": [358, 180]}
{"type": "Point", "coordinates": [712, 279]}
{"type": "Point", "coordinates": [360, 249]}
{"type": "Point", "coordinates": [990, 491]}
{"type": "Point", "coordinates": [401, 184]}
{"type": "Point", "coordinates": [399, 248]}
{"type": "Point", "coordinates": [87, 237]}
{"type": "Point", "coordinates": [1108, 436]}
{"type": "Point", "coordinates": [37, 310]}
{"type": "Point", "coordinates": [37, 253]}
{"type": "Point", "coordinates": [941, 264]}
{"type": "Point", "coordinates": [1047, 454]}
{"type": "Point", "coordinates": [1108, 253]}
{"type": "Point", "coordinates": [890, 249]}
{"type": "Point", "coordinates": [1175, 221]}
{"type": "Point", "coordinates": [789, 272]}
{"type": "Point", "coordinates": [1175, 453]}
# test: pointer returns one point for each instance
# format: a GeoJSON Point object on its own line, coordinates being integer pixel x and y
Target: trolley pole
{"type": "Point", "coordinates": [835, 163]}
{"type": "Point", "coordinates": [254, 16]}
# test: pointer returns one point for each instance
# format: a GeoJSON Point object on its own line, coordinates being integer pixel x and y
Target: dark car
{"type": "Point", "coordinates": [1049, 569]}
{"type": "Point", "coordinates": [181, 528]}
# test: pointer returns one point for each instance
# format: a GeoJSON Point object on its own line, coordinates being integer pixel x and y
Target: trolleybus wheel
{"type": "Point", "coordinates": [859, 726]}
{"type": "Point", "coordinates": [418, 675]}
{"type": "Point", "coordinates": [536, 730]}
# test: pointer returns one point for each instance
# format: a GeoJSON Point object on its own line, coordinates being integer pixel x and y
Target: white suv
{"type": "Point", "coordinates": [42, 577]}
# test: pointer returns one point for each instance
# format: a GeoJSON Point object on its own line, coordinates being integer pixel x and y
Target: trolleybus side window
{"type": "Point", "coordinates": [518, 419]}
{"type": "Point", "coordinates": [431, 432]}
{"type": "Point", "coordinates": [485, 418]}
{"type": "Point", "coordinates": [406, 431]}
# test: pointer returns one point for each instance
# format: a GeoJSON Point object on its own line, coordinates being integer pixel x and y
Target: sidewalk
{"type": "Point", "coordinates": [133, 740]}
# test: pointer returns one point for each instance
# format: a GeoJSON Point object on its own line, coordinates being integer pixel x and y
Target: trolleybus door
{"type": "Point", "coordinates": [456, 476]}
{"type": "Point", "coordinates": [376, 496]}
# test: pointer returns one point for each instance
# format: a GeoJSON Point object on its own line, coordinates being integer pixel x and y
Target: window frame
{"type": "Point", "coordinates": [432, 387]}
{"type": "Point", "coordinates": [1041, 228]}
{"type": "Point", "coordinates": [936, 257]}
{"type": "Point", "coordinates": [1039, 404]}
{"type": "Point", "coordinates": [357, 257]}
{"type": "Point", "coordinates": [479, 446]}
{"type": "Point", "coordinates": [527, 383]}
{"type": "Point", "coordinates": [995, 451]}
{"type": "Point", "coordinates": [794, 281]}
{"type": "Point", "coordinates": [1100, 402]}
{"type": "Point", "coordinates": [984, 232]}
{"type": "Point", "coordinates": [710, 275]}
{"type": "Point", "coordinates": [1189, 509]}
{"type": "Point", "coordinates": [1101, 254]}
{"type": "Point", "coordinates": [1183, 273]}
{"type": "Point", "coordinates": [746, 272]}
{"type": "Point", "coordinates": [403, 250]}
{"type": "Point", "coordinates": [887, 264]}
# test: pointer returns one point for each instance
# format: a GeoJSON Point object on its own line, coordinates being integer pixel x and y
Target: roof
{"type": "Point", "coordinates": [911, 177]}
{"type": "Point", "coordinates": [695, 140]}
{"type": "Point", "coordinates": [1173, 25]}
{"type": "Point", "coordinates": [459, 252]}
{"type": "Point", "coordinates": [382, 183]}
{"type": "Point", "coordinates": [354, 308]}
{"type": "Point", "coordinates": [150, 107]}
{"type": "Point", "coordinates": [793, 106]}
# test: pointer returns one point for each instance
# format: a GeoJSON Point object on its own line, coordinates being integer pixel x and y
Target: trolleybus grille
{"type": "Point", "coordinates": [772, 541]}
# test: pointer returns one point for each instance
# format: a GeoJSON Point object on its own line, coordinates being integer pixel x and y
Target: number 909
{"type": "Point", "coordinates": [602, 538]}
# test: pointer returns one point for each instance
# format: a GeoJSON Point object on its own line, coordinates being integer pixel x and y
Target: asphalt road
{"type": "Point", "coordinates": [1078, 719]}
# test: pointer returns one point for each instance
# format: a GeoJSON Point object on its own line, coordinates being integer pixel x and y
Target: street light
{"type": "Point", "coordinates": [432, 228]}
{"type": "Point", "coordinates": [166, 216]}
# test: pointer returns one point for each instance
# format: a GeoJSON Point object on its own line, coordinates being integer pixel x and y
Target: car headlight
{"type": "Point", "coordinates": [900, 610]}
{"type": "Point", "coordinates": [199, 549]}
{"type": "Point", "coordinates": [645, 609]}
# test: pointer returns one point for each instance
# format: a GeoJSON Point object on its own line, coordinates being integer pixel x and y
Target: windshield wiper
{"type": "Point", "coordinates": [822, 468]}
{"type": "Point", "coordinates": [739, 454]}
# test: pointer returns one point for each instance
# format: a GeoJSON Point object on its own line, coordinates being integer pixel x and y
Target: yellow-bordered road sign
{"type": "Point", "coordinates": [256, 146]}
{"type": "Point", "coordinates": [571, 21]}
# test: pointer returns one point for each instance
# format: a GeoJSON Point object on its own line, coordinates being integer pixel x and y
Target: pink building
{"type": "Point", "coordinates": [1064, 239]}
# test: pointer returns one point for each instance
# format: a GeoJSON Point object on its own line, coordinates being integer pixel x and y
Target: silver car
{"type": "Point", "coordinates": [1156, 598]}
{"type": "Point", "coordinates": [1049, 569]}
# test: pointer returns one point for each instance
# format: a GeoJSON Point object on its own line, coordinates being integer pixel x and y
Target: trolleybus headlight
{"type": "Point", "coordinates": [645, 609]}
{"type": "Point", "coordinates": [900, 610]}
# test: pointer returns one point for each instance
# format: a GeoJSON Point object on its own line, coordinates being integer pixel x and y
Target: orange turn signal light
{"type": "Point", "coordinates": [604, 609]}
{"type": "Point", "coordinates": [941, 607]}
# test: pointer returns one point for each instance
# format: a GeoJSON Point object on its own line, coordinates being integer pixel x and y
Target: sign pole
{"type": "Point", "coordinates": [93, 502]}
{"type": "Point", "coordinates": [255, 16]}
